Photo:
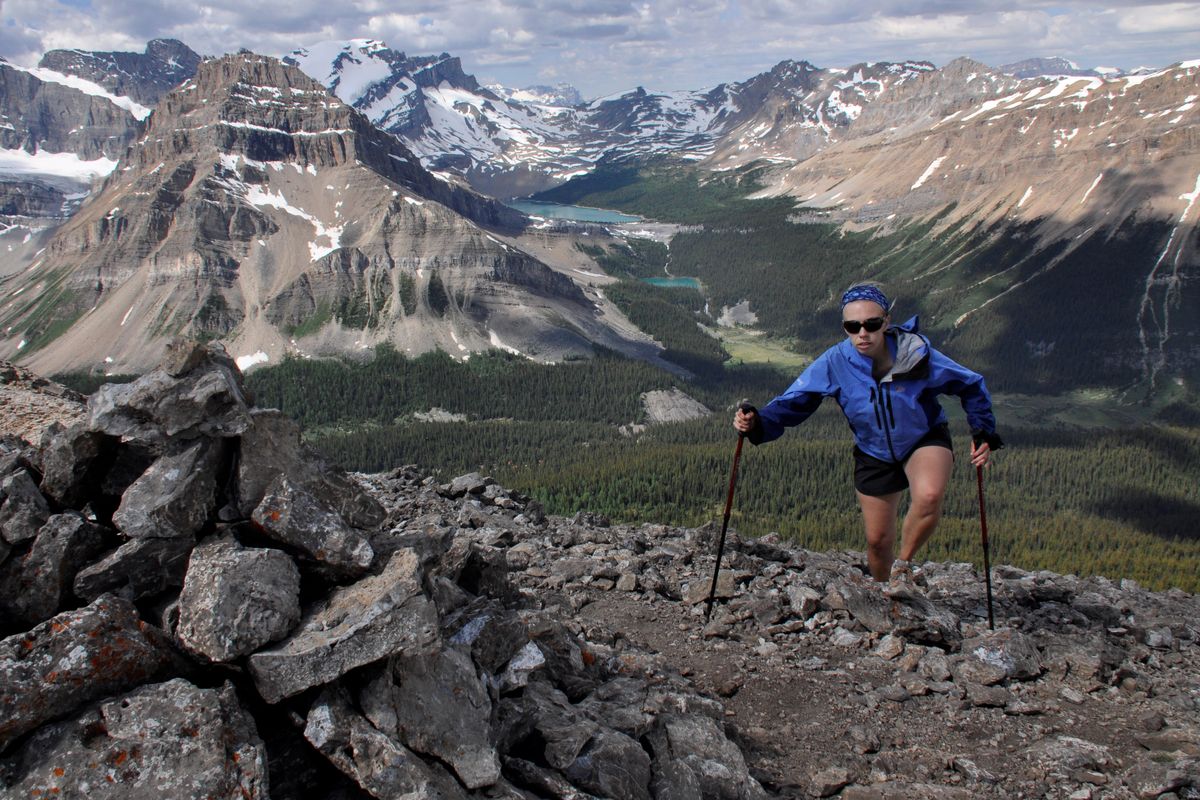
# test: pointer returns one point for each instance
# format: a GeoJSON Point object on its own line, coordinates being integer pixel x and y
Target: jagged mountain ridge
{"type": "Point", "coordinates": [144, 77]}
{"type": "Point", "coordinates": [852, 141]}
{"type": "Point", "coordinates": [560, 94]}
{"type": "Point", "coordinates": [260, 209]}
{"type": "Point", "coordinates": [507, 147]}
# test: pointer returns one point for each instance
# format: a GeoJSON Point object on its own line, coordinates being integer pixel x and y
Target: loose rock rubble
{"type": "Point", "coordinates": [198, 606]}
{"type": "Point", "coordinates": [1088, 688]}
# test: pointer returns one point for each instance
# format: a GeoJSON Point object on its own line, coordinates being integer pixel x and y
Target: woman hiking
{"type": "Point", "coordinates": [886, 379]}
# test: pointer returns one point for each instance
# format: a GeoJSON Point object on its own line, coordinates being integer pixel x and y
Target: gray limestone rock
{"type": "Point", "coordinates": [271, 447]}
{"type": "Point", "coordinates": [38, 584]}
{"type": "Point", "coordinates": [804, 600]}
{"type": "Point", "coordinates": [528, 660]}
{"type": "Point", "coordinates": [727, 583]}
{"type": "Point", "coordinates": [138, 568]}
{"type": "Point", "coordinates": [168, 740]}
{"type": "Point", "coordinates": [291, 515]}
{"type": "Point", "coordinates": [471, 483]}
{"type": "Point", "coordinates": [546, 782]}
{"type": "Point", "coordinates": [980, 696]}
{"type": "Point", "coordinates": [915, 617]}
{"type": "Point", "coordinates": [612, 764]}
{"type": "Point", "coordinates": [934, 665]}
{"type": "Point", "coordinates": [382, 615]}
{"type": "Point", "coordinates": [561, 731]}
{"type": "Point", "coordinates": [437, 705]}
{"type": "Point", "coordinates": [620, 704]}
{"type": "Point", "coordinates": [830, 781]}
{"type": "Point", "coordinates": [1008, 653]}
{"type": "Point", "coordinates": [208, 400]}
{"type": "Point", "coordinates": [73, 658]}
{"type": "Point", "coordinates": [24, 510]}
{"type": "Point", "coordinates": [69, 463]}
{"type": "Point", "coordinates": [696, 744]}
{"type": "Point", "coordinates": [378, 763]}
{"type": "Point", "coordinates": [236, 599]}
{"type": "Point", "coordinates": [967, 670]}
{"type": "Point", "coordinates": [1068, 753]}
{"type": "Point", "coordinates": [1091, 661]}
{"type": "Point", "coordinates": [493, 633]}
{"type": "Point", "coordinates": [174, 497]}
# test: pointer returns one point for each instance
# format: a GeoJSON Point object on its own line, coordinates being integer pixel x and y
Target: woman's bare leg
{"type": "Point", "coordinates": [928, 471]}
{"type": "Point", "coordinates": [879, 522]}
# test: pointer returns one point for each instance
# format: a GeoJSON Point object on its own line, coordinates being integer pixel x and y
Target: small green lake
{"type": "Point", "coordinates": [687, 283]}
{"type": "Point", "coordinates": [576, 213]}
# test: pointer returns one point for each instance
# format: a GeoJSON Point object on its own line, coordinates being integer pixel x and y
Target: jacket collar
{"type": "Point", "coordinates": [910, 351]}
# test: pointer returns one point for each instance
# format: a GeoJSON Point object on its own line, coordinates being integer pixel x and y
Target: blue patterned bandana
{"type": "Point", "coordinates": [865, 292]}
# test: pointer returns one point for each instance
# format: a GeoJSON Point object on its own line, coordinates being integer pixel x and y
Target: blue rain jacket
{"type": "Point", "coordinates": [888, 416]}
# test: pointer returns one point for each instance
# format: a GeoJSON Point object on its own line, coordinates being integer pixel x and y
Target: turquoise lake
{"type": "Point", "coordinates": [576, 213]}
{"type": "Point", "coordinates": [689, 283]}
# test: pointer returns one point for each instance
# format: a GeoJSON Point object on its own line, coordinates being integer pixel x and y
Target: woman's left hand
{"type": "Point", "coordinates": [980, 454]}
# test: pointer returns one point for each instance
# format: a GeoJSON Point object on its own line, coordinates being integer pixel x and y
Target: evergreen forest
{"type": "Point", "coordinates": [1083, 500]}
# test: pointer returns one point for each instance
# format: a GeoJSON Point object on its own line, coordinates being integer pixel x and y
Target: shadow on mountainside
{"type": "Point", "coordinates": [1156, 514]}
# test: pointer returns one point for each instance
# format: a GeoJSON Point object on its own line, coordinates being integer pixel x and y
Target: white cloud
{"type": "Point", "coordinates": [1165, 18]}
{"type": "Point", "coordinates": [603, 46]}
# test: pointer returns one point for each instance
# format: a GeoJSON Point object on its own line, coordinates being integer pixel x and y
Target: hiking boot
{"type": "Point", "coordinates": [903, 582]}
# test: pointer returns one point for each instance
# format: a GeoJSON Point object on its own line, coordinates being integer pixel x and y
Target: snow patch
{"type": "Point", "coordinates": [937, 162]}
{"type": "Point", "coordinates": [1025, 197]}
{"type": "Point", "coordinates": [140, 112]}
{"type": "Point", "coordinates": [257, 197]}
{"type": "Point", "coordinates": [1093, 186]}
{"type": "Point", "coordinates": [495, 341]}
{"type": "Point", "coordinates": [62, 165]}
{"type": "Point", "coordinates": [245, 362]}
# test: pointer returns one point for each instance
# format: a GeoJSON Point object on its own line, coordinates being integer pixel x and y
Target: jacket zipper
{"type": "Point", "coordinates": [886, 430]}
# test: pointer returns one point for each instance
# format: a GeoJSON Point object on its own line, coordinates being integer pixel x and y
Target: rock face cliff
{"type": "Point", "coordinates": [144, 77]}
{"type": "Point", "coordinates": [196, 605]}
{"type": "Point", "coordinates": [258, 209]}
{"type": "Point", "coordinates": [67, 121]}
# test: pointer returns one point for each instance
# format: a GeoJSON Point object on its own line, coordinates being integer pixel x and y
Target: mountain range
{"type": "Point", "coordinates": [340, 198]}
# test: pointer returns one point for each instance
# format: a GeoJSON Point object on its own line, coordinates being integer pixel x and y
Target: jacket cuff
{"type": "Point", "coordinates": [992, 439]}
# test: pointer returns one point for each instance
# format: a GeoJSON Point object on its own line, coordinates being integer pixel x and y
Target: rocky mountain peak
{"type": "Point", "coordinates": [560, 94]}
{"type": "Point", "coordinates": [144, 77]}
{"type": "Point", "coordinates": [1047, 67]}
{"type": "Point", "coordinates": [261, 209]}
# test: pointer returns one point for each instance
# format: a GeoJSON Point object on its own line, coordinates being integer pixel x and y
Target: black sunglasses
{"type": "Point", "coordinates": [853, 326]}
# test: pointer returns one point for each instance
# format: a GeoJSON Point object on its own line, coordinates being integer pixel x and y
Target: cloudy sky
{"type": "Point", "coordinates": [603, 46]}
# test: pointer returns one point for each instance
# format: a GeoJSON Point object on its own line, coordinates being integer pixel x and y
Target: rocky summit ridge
{"type": "Point", "coordinates": [197, 605]}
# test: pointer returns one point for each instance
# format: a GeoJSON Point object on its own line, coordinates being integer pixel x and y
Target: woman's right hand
{"type": "Point", "coordinates": [743, 421]}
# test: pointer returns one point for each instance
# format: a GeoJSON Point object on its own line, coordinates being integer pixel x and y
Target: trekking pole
{"type": "Point", "coordinates": [987, 561]}
{"type": "Point", "coordinates": [737, 455]}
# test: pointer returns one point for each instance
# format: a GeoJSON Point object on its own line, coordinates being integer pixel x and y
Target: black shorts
{"type": "Point", "coordinates": [877, 478]}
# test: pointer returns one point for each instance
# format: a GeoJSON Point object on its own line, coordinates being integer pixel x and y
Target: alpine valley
{"type": "Point", "coordinates": [340, 198]}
